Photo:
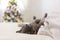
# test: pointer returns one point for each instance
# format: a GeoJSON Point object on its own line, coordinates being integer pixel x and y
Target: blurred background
{"type": "Point", "coordinates": [9, 10]}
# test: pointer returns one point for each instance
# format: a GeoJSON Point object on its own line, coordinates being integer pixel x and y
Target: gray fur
{"type": "Point", "coordinates": [33, 27]}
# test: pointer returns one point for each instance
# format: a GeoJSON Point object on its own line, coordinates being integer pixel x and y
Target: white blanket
{"type": "Point", "coordinates": [8, 32]}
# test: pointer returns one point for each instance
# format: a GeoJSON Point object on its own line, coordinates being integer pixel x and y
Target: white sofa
{"type": "Point", "coordinates": [8, 32]}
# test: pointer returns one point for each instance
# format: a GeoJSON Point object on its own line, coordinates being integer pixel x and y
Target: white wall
{"type": "Point", "coordinates": [52, 7]}
{"type": "Point", "coordinates": [22, 4]}
{"type": "Point", "coordinates": [33, 9]}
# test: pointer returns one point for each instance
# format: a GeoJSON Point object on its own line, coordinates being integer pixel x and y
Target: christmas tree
{"type": "Point", "coordinates": [12, 14]}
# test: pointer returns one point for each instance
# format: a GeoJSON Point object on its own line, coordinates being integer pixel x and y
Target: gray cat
{"type": "Point", "coordinates": [33, 27]}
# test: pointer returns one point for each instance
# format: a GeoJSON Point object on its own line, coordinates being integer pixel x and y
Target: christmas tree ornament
{"type": "Point", "coordinates": [12, 14]}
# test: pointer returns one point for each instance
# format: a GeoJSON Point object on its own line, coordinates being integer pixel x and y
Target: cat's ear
{"type": "Point", "coordinates": [45, 15]}
{"type": "Point", "coordinates": [34, 17]}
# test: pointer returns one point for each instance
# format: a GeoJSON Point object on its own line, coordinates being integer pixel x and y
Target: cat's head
{"type": "Point", "coordinates": [37, 21]}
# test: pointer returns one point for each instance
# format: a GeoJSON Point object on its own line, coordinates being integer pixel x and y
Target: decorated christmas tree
{"type": "Point", "coordinates": [11, 13]}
